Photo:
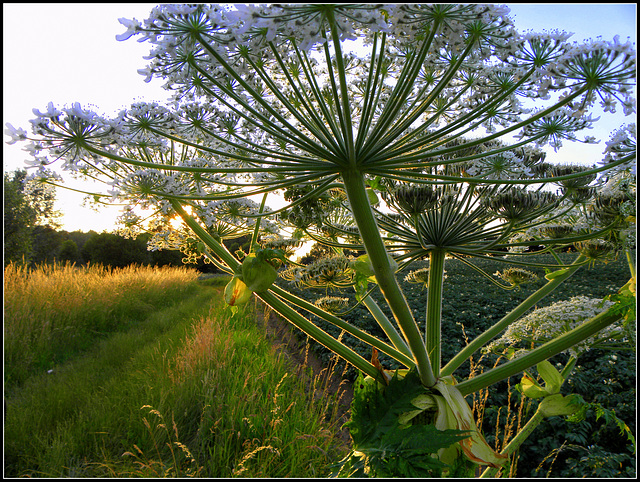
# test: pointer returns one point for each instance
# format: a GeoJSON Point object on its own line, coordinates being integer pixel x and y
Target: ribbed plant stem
{"type": "Point", "coordinates": [295, 318]}
{"type": "Point", "coordinates": [632, 262]}
{"type": "Point", "coordinates": [386, 325]}
{"type": "Point", "coordinates": [434, 309]}
{"type": "Point", "coordinates": [403, 357]}
{"type": "Point", "coordinates": [256, 229]}
{"type": "Point", "coordinates": [385, 275]}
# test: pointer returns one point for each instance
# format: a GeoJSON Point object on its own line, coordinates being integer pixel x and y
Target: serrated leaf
{"type": "Point", "coordinates": [384, 448]}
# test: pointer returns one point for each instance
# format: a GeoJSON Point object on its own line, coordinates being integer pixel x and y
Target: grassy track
{"type": "Point", "coordinates": [185, 390]}
{"type": "Point", "coordinates": [52, 313]}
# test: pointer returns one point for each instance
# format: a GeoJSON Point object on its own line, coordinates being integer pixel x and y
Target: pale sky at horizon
{"type": "Point", "coordinates": [68, 53]}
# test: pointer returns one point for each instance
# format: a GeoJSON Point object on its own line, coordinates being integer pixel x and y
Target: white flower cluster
{"type": "Point", "coordinates": [206, 47]}
{"type": "Point", "coordinates": [545, 324]}
{"type": "Point", "coordinates": [130, 223]}
{"type": "Point", "coordinates": [506, 165]}
{"type": "Point", "coordinates": [603, 70]}
{"type": "Point", "coordinates": [268, 97]}
{"type": "Point", "coordinates": [552, 129]}
{"type": "Point", "coordinates": [622, 145]}
{"type": "Point", "coordinates": [16, 134]}
{"type": "Point", "coordinates": [164, 237]}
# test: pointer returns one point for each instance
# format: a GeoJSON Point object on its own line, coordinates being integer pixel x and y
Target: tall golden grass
{"type": "Point", "coordinates": [256, 415]}
{"type": "Point", "coordinates": [51, 310]}
{"type": "Point", "coordinates": [191, 391]}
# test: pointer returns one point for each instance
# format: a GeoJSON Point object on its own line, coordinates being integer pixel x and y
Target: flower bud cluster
{"type": "Point", "coordinates": [516, 276]}
{"type": "Point", "coordinates": [418, 276]}
{"type": "Point", "coordinates": [276, 241]}
{"type": "Point", "coordinates": [332, 304]}
{"type": "Point", "coordinates": [331, 271]}
{"type": "Point", "coordinates": [518, 205]}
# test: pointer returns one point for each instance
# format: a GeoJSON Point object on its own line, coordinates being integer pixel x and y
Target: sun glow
{"type": "Point", "coordinates": [176, 222]}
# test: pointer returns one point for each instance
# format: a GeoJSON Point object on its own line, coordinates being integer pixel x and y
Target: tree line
{"type": "Point", "coordinates": [32, 234]}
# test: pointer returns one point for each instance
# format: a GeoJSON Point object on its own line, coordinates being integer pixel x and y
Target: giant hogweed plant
{"type": "Point", "coordinates": [403, 131]}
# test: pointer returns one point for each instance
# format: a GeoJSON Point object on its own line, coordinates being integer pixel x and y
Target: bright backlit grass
{"type": "Point", "coordinates": [186, 390]}
{"type": "Point", "coordinates": [54, 311]}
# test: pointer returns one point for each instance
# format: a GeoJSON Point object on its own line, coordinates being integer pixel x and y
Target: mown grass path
{"type": "Point", "coordinates": [189, 390]}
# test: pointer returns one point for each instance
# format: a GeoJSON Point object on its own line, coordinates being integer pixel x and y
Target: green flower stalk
{"type": "Point", "coordinates": [434, 309]}
{"type": "Point", "coordinates": [397, 144]}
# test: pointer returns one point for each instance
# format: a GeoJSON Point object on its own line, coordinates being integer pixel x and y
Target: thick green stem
{"type": "Point", "coordinates": [401, 357]}
{"type": "Point", "coordinates": [517, 441]}
{"type": "Point", "coordinates": [501, 325]}
{"type": "Point", "coordinates": [385, 275]}
{"type": "Point", "coordinates": [434, 309]}
{"type": "Point", "coordinates": [541, 353]}
{"type": "Point", "coordinates": [256, 230]}
{"type": "Point", "coordinates": [632, 262]}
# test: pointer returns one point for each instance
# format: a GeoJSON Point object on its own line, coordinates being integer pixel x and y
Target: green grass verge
{"type": "Point", "coordinates": [189, 390]}
{"type": "Point", "coordinates": [52, 313]}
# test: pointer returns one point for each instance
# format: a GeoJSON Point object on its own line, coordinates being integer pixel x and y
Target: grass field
{"type": "Point", "coordinates": [55, 312]}
{"type": "Point", "coordinates": [173, 386]}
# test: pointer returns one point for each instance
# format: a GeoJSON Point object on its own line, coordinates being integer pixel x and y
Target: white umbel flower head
{"type": "Point", "coordinates": [545, 324]}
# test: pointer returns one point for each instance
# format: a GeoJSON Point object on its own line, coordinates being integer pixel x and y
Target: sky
{"type": "Point", "coordinates": [65, 53]}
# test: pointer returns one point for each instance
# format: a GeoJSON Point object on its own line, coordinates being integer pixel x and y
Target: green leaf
{"type": "Point", "coordinates": [257, 273]}
{"type": "Point", "coordinates": [381, 447]}
{"type": "Point", "coordinates": [361, 285]}
{"type": "Point", "coordinates": [625, 301]}
{"type": "Point", "coordinates": [373, 197]}
{"type": "Point", "coordinates": [362, 265]}
{"type": "Point", "coordinates": [608, 415]}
